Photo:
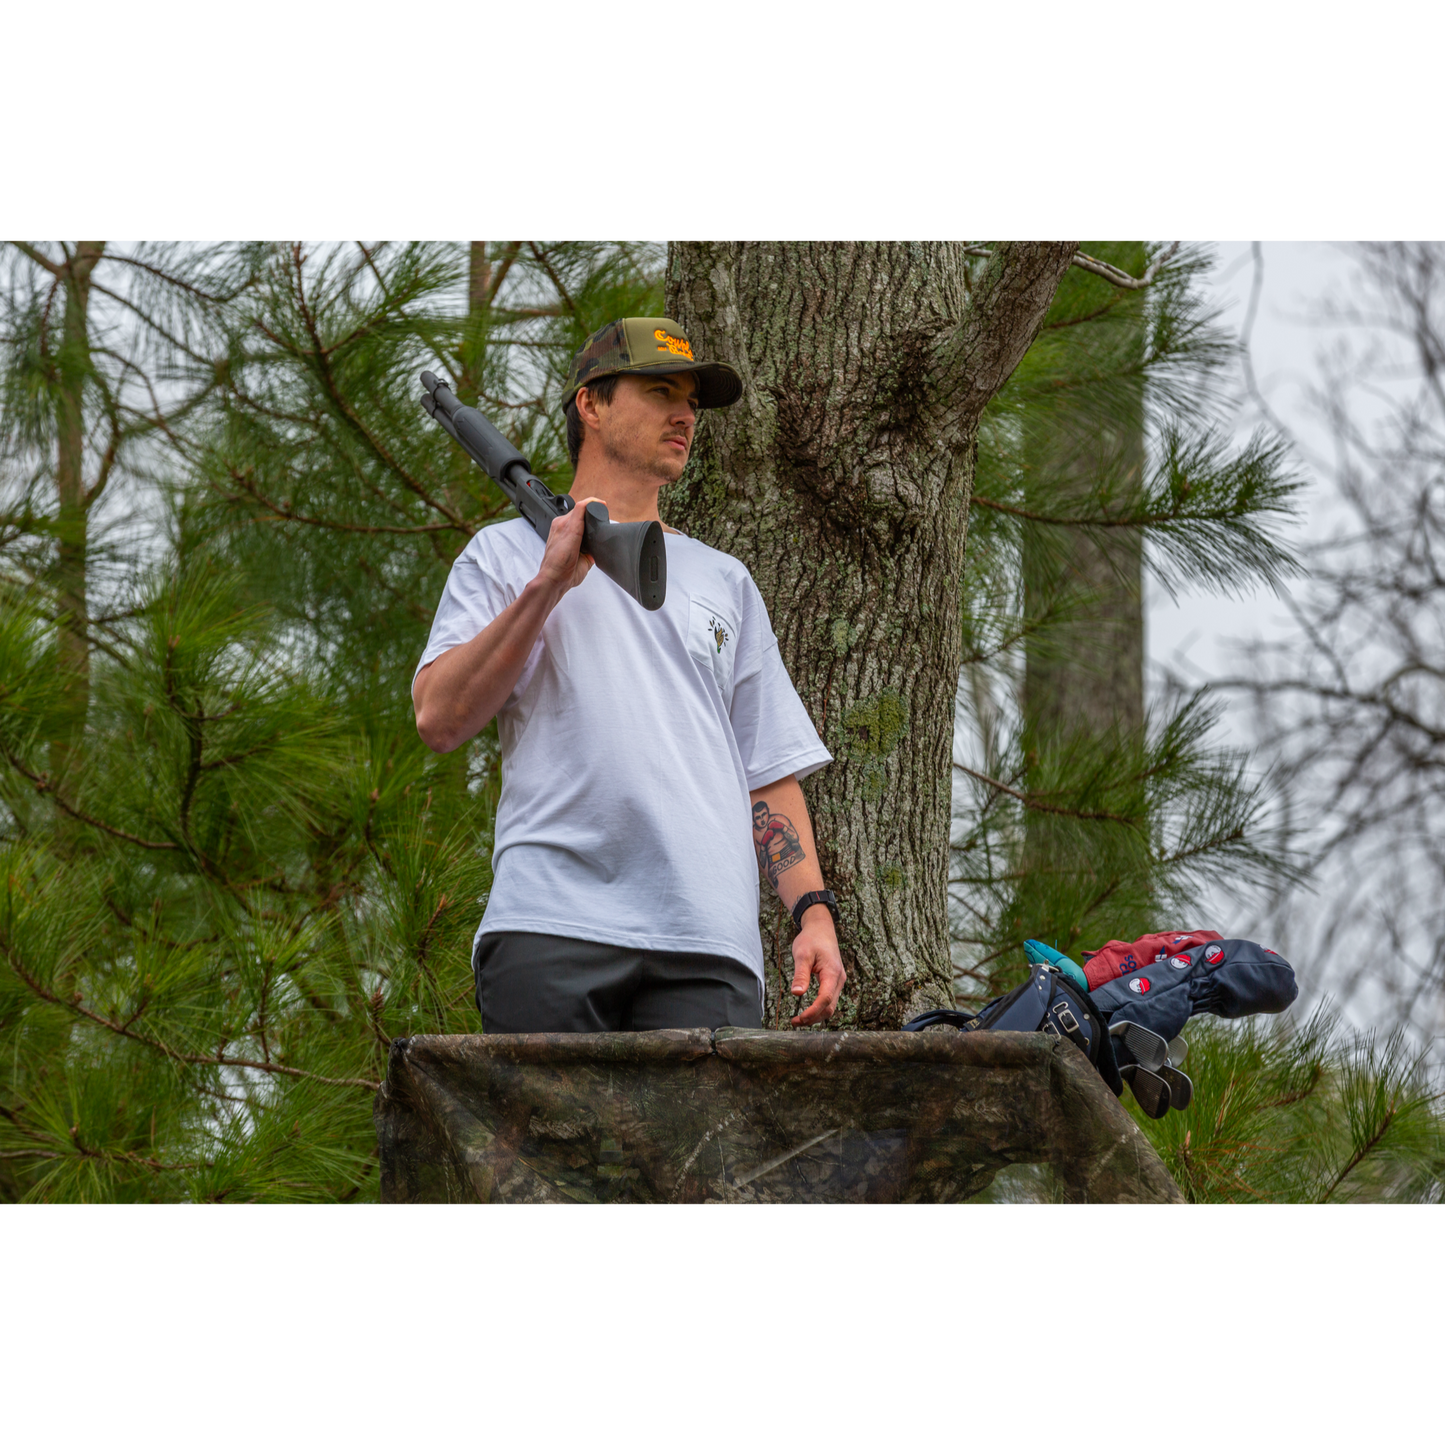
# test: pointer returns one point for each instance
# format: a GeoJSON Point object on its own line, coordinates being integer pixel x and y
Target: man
{"type": "Point", "coordinates": [638, 748]}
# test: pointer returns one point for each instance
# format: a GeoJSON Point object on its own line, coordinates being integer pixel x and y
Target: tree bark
{"type": "Point", "coordinates": [479, 277]}
{"type": "Point", "coordinates": [842, 480]}
{"type": "Point", "coordinates": [453, 771]}
{"type": "Point", "coordinates": [72, 645]}
{"type": "Point", "coordinates": [472, 350]}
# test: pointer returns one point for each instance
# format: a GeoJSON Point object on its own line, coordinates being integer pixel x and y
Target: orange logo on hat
{"type": "Point", "coordinates": [675, 344]}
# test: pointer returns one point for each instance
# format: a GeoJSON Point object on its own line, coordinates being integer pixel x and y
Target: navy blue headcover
{"type": "Point", "coordinates": [1232, 978]}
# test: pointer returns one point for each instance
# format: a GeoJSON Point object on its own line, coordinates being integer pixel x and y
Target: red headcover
{"type": "Point", "coordinates": [1116, 959]}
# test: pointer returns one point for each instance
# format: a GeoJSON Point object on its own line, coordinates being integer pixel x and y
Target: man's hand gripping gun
{"type": "Point", "coordinates": [632, 554]}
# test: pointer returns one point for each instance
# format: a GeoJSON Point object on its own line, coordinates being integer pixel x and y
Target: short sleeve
{"type": "Point", "coordinates": [775, 735]}
{"type": "Point", "coordinates": [480, 587]}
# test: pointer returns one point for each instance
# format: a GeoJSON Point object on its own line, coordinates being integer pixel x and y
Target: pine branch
{"type": "Point", "coordinates": [1359, 1155]}
{"type": "Point", "coordinates": [1146, 519]}
{"type": "Point", "coordinates": [44, 785]}
{"type": "Point", "coordinates": [147, 319]}
{"type": "Point", "coordinates": [513, 251]}
{"type": "Point", "coordinates": [555, 278]}
{"type": "Point", "coordinates": [288, 514]}
{"type": "Point", "coordinates": [343, 407]}
{"type": "Point", "coordinates": [107, 461]}
{"type": "Point", "coordinates": [1032, 801]}
{"type": "Point", "coordinates": [173, 280]}
{"type": "Point", "coordinates": [217, 1060]}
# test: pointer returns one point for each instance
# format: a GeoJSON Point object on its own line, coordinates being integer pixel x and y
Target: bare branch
{"type": "Point", "coordinates": [39, 257]}
{"type": "Point", "coordinates": [1123, 279]}
{"type": "Point", "coordinates": [1110, 273]}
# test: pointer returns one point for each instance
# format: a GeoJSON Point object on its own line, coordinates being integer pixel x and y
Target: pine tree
{"type": "Point", "coordinates": [1084, 818]}
{"type": "Point", "coordinates": [105, 348]}
{"type": "Point", "coordinates": [261, 876]}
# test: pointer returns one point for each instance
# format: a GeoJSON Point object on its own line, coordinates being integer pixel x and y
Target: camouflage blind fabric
{"type": "Point", "coordinates": [688, 1116]}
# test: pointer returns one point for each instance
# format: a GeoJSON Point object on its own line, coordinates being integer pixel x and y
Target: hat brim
{"type": "Point", "coordinates": [717, 383]}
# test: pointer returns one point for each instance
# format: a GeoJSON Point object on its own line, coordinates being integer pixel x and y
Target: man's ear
{"type": "Point", "coordinates": [587, 408]}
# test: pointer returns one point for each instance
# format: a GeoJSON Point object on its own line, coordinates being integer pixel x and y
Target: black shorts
{"type": "Point", "coordinates": [536, 983]}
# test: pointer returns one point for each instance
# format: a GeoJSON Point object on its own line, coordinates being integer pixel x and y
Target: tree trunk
{"type": "Point", "coordinates": [842, 480]}
{"type": "Point", "coordinates": [72, 646]}
{"type": "Point", "coordinates": [479, 277]}
{"type": "Point", "coordinates": [1086, 673]}
{"type": "Point", "coordinates": [453, 771]}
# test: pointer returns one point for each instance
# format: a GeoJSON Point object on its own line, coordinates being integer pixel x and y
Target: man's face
{"type": "Point", "coordinates": [649, 425]}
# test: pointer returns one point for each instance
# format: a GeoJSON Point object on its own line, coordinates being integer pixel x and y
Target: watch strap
{"type": "Point", "coordinates": [821, 895]}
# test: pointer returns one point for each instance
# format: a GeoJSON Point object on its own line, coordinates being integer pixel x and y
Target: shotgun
{"type": "Point", "coordinates": [632, 554]}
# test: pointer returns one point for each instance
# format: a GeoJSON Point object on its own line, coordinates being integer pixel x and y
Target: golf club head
{"type": "Point", "coordinates": [1181, 1086]}
{"type": "Point", "coordinates": [1149, 1089]}
{"type": "Point", "coordinates": [1142, 1046]}
{"type": "Point", "coordinates": [1178, 1051]}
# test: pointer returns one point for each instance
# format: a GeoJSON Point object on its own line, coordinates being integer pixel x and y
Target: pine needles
{"type": "Point", "coordinates": [1079, 815]}
{"type": "Point", "coordinates": [1307, 1113]}
{"type": "Point", "coordinates": [253, 875]}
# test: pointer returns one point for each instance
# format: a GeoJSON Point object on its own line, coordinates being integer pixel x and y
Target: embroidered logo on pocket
{"type": "Point", "coordinates": [720, 634]}
{"type": "Point", "coordinates": [712, 640]}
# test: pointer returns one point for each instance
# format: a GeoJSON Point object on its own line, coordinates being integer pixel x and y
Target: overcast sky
{"type": "Point", "coordinates": [1198, 634]}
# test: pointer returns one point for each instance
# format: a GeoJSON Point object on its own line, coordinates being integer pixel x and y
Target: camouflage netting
{"type": "Point", "coordinates": [742, 1115]}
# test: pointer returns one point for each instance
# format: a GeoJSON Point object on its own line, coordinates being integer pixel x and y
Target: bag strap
{"type": "Point", "coordinates": [1103, 1058]}
{"type": "Point", "coordinates": [953, 1016]}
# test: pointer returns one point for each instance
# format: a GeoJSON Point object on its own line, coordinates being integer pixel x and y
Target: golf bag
{"type": "Point", "coordinates": [1045, 1002]}
{"type": "Point", "coordinates": [1130, 1028]}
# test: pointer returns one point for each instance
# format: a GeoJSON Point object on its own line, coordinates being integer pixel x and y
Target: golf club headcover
{"type": "Point", "coordinates": [1232, 977]}
{"type": "Point", "coordinates": [1116, 959]}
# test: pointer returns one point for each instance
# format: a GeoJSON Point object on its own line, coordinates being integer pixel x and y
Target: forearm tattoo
{"type": "Point", "coordinates": [776, 841]}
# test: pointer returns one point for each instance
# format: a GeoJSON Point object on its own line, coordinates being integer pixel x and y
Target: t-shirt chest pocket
{"type": "Point", "coordinates": [712, 639]}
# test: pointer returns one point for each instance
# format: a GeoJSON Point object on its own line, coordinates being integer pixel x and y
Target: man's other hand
{"type": "Point", "coordinates": [564, 563]}
{"type": "Point", "coordinates": [815, 953]}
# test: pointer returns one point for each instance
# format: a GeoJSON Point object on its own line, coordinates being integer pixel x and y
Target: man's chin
{"type": "Point", "coordinates": [667, 471]}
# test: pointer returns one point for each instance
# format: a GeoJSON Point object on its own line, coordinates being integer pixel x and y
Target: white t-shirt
{"type": "Point", "coordinates": [629, 747]}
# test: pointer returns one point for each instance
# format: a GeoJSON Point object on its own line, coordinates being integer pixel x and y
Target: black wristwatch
{"type": "Point", "coordinates": [823, 896]}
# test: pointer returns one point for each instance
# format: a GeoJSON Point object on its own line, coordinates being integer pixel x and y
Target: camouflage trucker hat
{"type": "Point", "coordinates": [646, 345]}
